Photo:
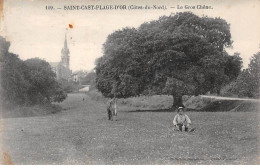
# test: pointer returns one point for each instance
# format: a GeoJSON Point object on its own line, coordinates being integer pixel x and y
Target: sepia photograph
{"type": "Point", "coordinates": [129, 82]}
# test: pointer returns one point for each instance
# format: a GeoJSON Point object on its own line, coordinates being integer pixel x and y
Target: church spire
{"type": "Point", "coordinates": [65, 42]}
{"type": "Point", "coordinates": [65, 54]}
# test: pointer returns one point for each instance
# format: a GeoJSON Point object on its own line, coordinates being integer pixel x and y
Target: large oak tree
{"type": "Point", "coordinates": [174, 55]}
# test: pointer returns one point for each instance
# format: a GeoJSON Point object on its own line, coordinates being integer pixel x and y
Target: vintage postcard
{"type": "Point", "coordinates": [129, 82]}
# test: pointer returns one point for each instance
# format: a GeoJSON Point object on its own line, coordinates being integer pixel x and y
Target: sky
{"type": "Point", "coordinates": [34, 31]}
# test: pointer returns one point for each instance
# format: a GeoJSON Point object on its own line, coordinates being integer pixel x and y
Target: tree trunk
{"type": "Point", "coordinates": [177, 102]}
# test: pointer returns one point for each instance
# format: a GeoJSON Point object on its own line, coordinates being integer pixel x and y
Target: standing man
{"type": "Point", "coordinates": [111, 109]}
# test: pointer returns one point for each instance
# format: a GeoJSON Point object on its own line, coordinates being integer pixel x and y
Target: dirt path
{"type": "Point", "coordinates": [230, 98]}
{"type": "Point", "coordinates": [81, 134]}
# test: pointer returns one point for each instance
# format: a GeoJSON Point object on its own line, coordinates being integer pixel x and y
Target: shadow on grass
{"type": "Point", "coordinates": [30, 111]}
{"type": "Point", "coordinates": [152, 110]}
{"type": "Point", "coordinates": [161, 110]}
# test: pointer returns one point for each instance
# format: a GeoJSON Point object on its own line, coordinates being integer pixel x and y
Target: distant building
{"type": "Point", "coordinates": [78, 76]}
{"type": "Point", "coordinates": [62, 68]}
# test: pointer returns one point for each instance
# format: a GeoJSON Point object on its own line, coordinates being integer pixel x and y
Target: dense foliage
{"type": "Point", "coordinates": [89, 79]}
{"type": "Point", "coordinates": [174, 55]}
{"type": "Point", "coordinates": [27, 82]}
{"type": "Point", "coordinates": [247, 84]}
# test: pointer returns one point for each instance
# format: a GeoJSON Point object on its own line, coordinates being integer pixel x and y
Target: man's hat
{"type": "Point", "coordinates": [180, 108]}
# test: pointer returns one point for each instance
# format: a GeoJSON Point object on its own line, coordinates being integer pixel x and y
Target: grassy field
{"type": "Point", "coordinates": [81, 134]}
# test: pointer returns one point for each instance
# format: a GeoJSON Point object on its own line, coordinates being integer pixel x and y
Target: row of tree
{"type": "Point", "coordinates": [27, 82]}
{"type": "Point", "coordinates": [174, 55]}
{"type": "Point", "coordinates": [247, 84]}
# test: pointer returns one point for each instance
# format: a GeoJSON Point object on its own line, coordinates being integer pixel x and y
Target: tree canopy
{"type": "Point", "coordinates": [89, 78]}
{"type": "Point", "coordinates": [43, 84]}
{"type": "Point", "coordinates": [174, 55]}
{"type": "Point", "coordinates": [247, 84]}
{"type": "Point", "coordinates": [27, 82]}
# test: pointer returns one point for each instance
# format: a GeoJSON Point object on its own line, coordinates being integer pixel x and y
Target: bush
{"type": "Point", "coordinates": [229, 90]}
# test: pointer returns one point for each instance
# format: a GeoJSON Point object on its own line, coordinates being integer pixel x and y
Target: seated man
{"type": "Point", "coordinates": [181, 121]}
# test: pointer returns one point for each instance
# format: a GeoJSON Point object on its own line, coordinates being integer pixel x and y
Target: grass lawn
{"type": "Point", "coordinates": [81, 134]}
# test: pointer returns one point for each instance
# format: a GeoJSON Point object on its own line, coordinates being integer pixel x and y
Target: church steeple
{"type": "Point", "coordinates": [65, 54]}
{"type": "Point", "coordinates": [65, 42]}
